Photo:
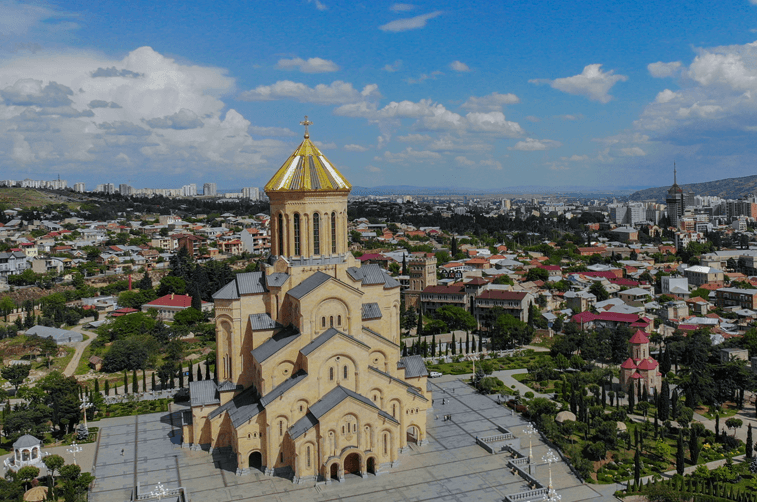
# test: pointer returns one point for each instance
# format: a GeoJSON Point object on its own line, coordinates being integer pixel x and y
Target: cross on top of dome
{"type": "Point", "coordinates": [306, 123]}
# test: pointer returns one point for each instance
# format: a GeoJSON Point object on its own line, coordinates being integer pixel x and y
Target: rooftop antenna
{"type": "Point", "coordinates": [675, 182]}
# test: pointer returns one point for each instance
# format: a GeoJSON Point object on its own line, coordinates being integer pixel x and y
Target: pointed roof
{"type": "Point", "coordinates": [628, 364]}
{"type": "Point", "coordinates": [647, 364]}
{"type": "Point", "coordinates": [638, 338]}
{"type": "Point", "coordinates": [307, 169]}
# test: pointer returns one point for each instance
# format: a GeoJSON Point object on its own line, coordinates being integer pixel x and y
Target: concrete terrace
{"type": "Point", "coordinates": [450, 467]}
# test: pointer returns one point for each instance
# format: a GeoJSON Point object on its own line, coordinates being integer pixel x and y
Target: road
{"type": "Point", "coordinates": [74, 362]}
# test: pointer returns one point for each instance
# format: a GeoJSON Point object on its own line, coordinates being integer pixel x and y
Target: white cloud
{"type": "Point", "coordinates": [592, 83]}
{"type": "Point", "coordinates": [494, 164]}
{"type": "Point", "coordinates": [312, 65]}
{"type": "Point", "coordinates": [318, 4]}
{"type": "Point", "coordinates": [412, 23]}
{"type": "Point", "coordinates": [489, 103]}
{"type": "Point", "coordinates": [424, 77]}
{"type": "Point", "coordinates": [576, 158]}
{"type": "Point", "coordinates": [336, 93]}
{"type": "Point", "coordinates": [373, 169]}
{"type": "Point", "coordinates": [664, 70]}
{"type": "Point", "coordinates": [414, 138]}
{"type": "Point", "coordinates": [325, 146]}
{"type": "Point", "coordinates": [570, 117]}
{"type": "Point", "coordinates": [391, 68]}
{"type": "Point", "coordinates": [355, 148]}
{"type": "Point", "coordinates": [665, 96]}
{"type": "Point", "coordinates": [494, 122]}
{"type": "Point", "coordinates": [78, 112]}
{"type": "Point", "coordinates": [403, 7]}
{"type": "Point", "coordinates": [531, 118]}
{"type": "Point", "coordinates": [459, 66]}
{"type": "Point", "coordinates": [533, 145]}
{"type": "Point", "coordinates": [270, 131]}
{"type": "Point", "coordinates": [409, 154]}
{"type": "Point", "coordinates": [464, 161]}
{"type": "Point", "coordinates": [19, 18]}
{"type": "Point", "coordinates": [633, 151]}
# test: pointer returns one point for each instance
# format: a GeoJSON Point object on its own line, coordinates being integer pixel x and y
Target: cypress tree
{"type": "Point", "coordinates": [664, 399]}
{"type": "Point", "coordinates": [454, 345]}
{"type": "Point", "coordinates": [153, 381]}
{"type": "Point", "coordinates": [674, 405]}
{"type": "Point", "coordinates": [680, 459]}
{"type": "Point", "coordinates": [97, 386]}
{"type": "Point", "coordinates": [656, 426]}
{"type": "Point", "coordinates": [480, 344]}
{"type": "Point", "coordinates": [419, 330]}
{"type": "Point", "coordinates": [631, 399]}
{"type": "Point", "coordinates": [717, 425]}
{"type": "Point", "coordinates": [665, 364]}
{"type": "Point", "coordinates": [639, 395]}
{"type": "Point", "coordinates": [694, 445]}
{"type": "Point", "coordinates": [467, 343]}
{"type": "Point", "coordinates": [144, 380]}
{"type": "Point", "coordinates": [749, 443]}
{"type": "Point", "coordinates": [134, 382]}
{"type": "Point", "coordinates": [107, 388]}
{"type": "Point", "coordinates": [199, 368]}
{"type": "Point", "coordinates": [181, 377]}
{"type": "Point", "coordinates": [191, 374]}
{"type": "Point", "coordinates": [433, 345]}
{"type": "Point", "coordinates": [637, 465]}
{"type": "Point", "coordinates": [604, 396]}
{"type": "Point", "coordinates": [126, 383]}
{"type": "Point", "coordinates": [115, 390]}
{"type": "Point", "coordinates": [207, 370]}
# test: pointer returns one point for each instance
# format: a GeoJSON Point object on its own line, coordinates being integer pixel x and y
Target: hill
{"type": "Point", "coordinates": [731, 188]}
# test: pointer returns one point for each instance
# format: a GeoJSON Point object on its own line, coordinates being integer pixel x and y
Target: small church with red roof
{"type": "Point", "coordinates": [640, 369]}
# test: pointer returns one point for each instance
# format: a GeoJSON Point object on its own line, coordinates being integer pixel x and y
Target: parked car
{"type": "Point", "coordinates": [435, 374]}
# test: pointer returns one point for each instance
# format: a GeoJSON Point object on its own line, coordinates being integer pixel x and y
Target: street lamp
{"type": "Point", "coordinates": [530, 430]}
{"type": "Point", "coordinates": [85, 403]}
{"type": "Point", "coordinates": [551, 496]}
{"type": "Point", "coordinates": [75, 448]}
{"type": "Point", "coordinates": [159, 491]}
{"type": "Point", "coordinates": [550, 457]}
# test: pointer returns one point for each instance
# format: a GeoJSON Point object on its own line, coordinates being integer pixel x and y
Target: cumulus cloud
{"type": "Point", "coordinates": [410, 154]}
{"type": "Point", "coordinates": [18, 18]}
{"type": "Point", "coordinates": [373, 169]}
{"type": "Point", "coordinates": [494, 122]}
{"type": "Point", "coordinates": [570, 117]}
{"type": "Point", "coordinates": [318, 5]}
{"type": "Point", "coordinates": [664, 70]}
{"type": "Point", "coordinates": [411, 23]}
{"type": "Point", "coordinates": [404, 7]}
{"type": "Point", "coordinates": [633, 151]}
{"type": "Point", "coordinates": [576, 158]}
{"type": "Point", "coordinates": [391, 68]}
{"type": "Point", "coordinates": [494, 164]}
{"type": "Point", "coordinates": [270, 131]}
{"type": "Point", "coordinates": [489, 103]}
{"type": "Point", "coordinates": [533, 145]}
{"type": "Point", "coordinates": [355, 148]}
{"type": "Point", "coordinates": [459, 66]}
{"type": "Point", "coordinates": [424, 76]}
{"type": "Point", "coordinates": [592, 83]}
{"type": "Point", "coordinates": [78, 112]}
{"type": "Point", "coordinates": [463, 161]}
{"type": "Point", "coordinates": [113, 72]}
{"type": "Point", "coordinates": [336, 93]}
{"type": "Point", "coordinates": [183, 119]}
{"type": "Point", "coordinates": [312, 65]}
{"type": "Point", "coordinates": [414, 138]}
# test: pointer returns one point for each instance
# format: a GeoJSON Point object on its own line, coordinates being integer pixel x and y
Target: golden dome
{"type": "Point", "coordinates": [307, 169]}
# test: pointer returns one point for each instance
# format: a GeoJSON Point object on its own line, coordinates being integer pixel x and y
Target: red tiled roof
{"type": "Point", "coordinates": [624, 282]}
{"type": "Point", "coordinates": [183, 301]}
{"type": "Point", "coordinates": [455, 289]}
{"type": "Point", "coordinates": [477, 281]}
{"type": "Point", "coordinates": [606, 274]}
{"type": "Point", "coordinates": [639, 337]}
{"type": "Point", "coordinates": [497, 294]}
{"type": "Point", "coordinates": [555, 268]}
{"type": "Point", "coordinates": [636, 376]}
{"type": "Point", "coordinates": [688, 327]}
{"type": "Point", "coordinates": [628, 364]}
{"type": "Point", "coordinates": [647, 364]}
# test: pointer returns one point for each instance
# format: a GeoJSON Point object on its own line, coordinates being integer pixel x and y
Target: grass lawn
{"type": "Point", "coordinates": [500, 363]}
{"type": "Point", "coordinates": [726, 411]}
{"type": "Point", "coordinates": [58, 363]}
{"type": "Point", "coordinates": [83, 367]}
{"type": "Point", "coordinates": [544, 387]}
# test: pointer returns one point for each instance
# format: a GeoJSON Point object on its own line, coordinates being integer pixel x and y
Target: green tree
{"type": "Point", "coordinates": [734, 424]}
{"type": "Point", "coordinates": [188, 317]}
{"type": "Point", "coordinates": [637, 465]}
{"type": "Point", "coordinates": [27, 473]}
{"type": "Point", "coordinates": [172, 284]}
{"type": "Point", "coordinates": [537, 274]}
{"type": "Point", "coordinates": [694, 446]}
{"type": "Point", "coordinates": [680, 458]}
{"type": "Point", "coordinates": [749, 442]}
{"type": "Point", "coordinates": [53, 464]}
{"type": "Point", "coordinates": [62, 396]}
{"type": "Point", "coordinates": [599, 291]}
{"type": "Point", "coordinates": [16, 374]}
{"type": "Point", "coordinates": [7, 305]}
{"type": "Point", "coordinates": [145, 282]}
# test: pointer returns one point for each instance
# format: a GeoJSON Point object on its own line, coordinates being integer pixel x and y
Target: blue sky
{"type": "Point", "coordinates": [470, 94]}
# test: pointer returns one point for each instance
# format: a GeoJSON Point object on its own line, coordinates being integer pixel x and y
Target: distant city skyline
{"type": "Point", "coordinates": [426, 94]}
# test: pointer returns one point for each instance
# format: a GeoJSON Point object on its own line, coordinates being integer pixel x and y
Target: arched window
{"type": "Point", "coordinates": [386, 443]}
{"type": "Point", "coordinates": [354, 427]}
{"type": "Point", "coordinates": [394, 410]}
{"type": "Point", "coordinates": [281, 427]}
{"type": "Point", "coordinates": [323, 322]}
{"type": "Point", "coordinates": [316, 233]}
{"type": "Point", "coordinates": [308, 455]}
{"type": "Point", "coordinates": [331, 321]}
{"type": "Point", "coordinates": [331, 374]}
{"type": "Point", "coordinates": [297, 235]}
{"type": "Point", "coordinates": [333, 233]}
{"type": "Point", "coordinates": [280, 229]}
{"type": "Point", "coordinates": [338, 320]}
{"type": "Point", "coordinates": [345, 372]}
{"type": "Point", "coordinates": [342, 429]}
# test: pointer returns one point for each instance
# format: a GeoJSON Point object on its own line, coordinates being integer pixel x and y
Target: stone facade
{"type": "Point", "coordinates": [311, 384]}
{"type": "Point", "coordinates": [640, 369]}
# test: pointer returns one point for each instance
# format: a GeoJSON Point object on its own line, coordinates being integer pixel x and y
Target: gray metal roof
{"type": "Point", "coordinates": [326, 336]}
{"type": "Point", "coordinates": [372, 274]}
{"type": "Point", "coordinates": [251, 283]}
{"type": "Point", "coordinates": [228, 292]}
{"type": "Point", "coordinates": [308, 285]}
{"type": "Point", "coordinates": [26, 441]}
{"type": "Point", "coordinates": [376, 334]}
{"type": "Point", "coordinates": [328, 403]}
{"type": "Point", "coordinates": [262, 321]}
{"type": "Point", "coordinates": [391, 282]}
{"type": "Point", "coordinates": [203, 392]}
{"type": "Point", "coordinates": [60, 336]}
{"type": "Point", "coordinates": [282, 388]}
{"type": "Point", "coordinates": [274, 344]}
{"type": "Point", "coordinates": [228, 385]}
{"type": "Point", "coordinates": [408, 387]}
{"type": "Point", "coordinates": [241, 408]}
{"type": "Point", "coordinates": [371, 311]}
{"type": "Point", "coordinates": [276, 280]}
{"type": "Point", "coordinates": [413, 366]}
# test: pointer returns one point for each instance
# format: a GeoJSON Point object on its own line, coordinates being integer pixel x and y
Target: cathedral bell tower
{"type": "Point", "coordinates": [308, 206]}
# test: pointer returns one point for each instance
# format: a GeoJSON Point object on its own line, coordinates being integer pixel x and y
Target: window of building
{"type": "Point", "coordinates": [345, 372]}
{"type": "Point", "coordinates": [386, 443]}
{"type": "Point", "coordinates": [331, 374]}
{"type": "Point", "coordinates": [323, 322]}
{"type": "Point", "coordinates": [297, 235]}
{"type": "Point", "coordinates": [333, 233]}
{"type": "Point", "coordinates": [280, 229]}
{"type": "Point", "coordinates": [354, 427]}
{"type": "Point", "coordinates": [331, 321]}
{"type": "Point", "coordinates": [316, 233]}
{"type": "Point", "coordinates": [282, 457]}
{"type": "Point", "coordinates": [308, 455]}
{"type": "Point", "coordinates": [339, 320]}
{"type": "Point", "coordinates": [281, 427]}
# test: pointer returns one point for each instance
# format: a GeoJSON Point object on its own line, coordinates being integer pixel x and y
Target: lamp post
{"type": "Point", "coordinates": [75, 448]}
{"type": "Point", "coordinates": [550, 457]}
{"type": "Point", "coordinates": [530, 430]}
{"type": "Point", "coordinates": [159, 491]}
{"type": "Point", "coordinates": [85, 403]}
{"type": "Point", "coordinates": [551, 496]}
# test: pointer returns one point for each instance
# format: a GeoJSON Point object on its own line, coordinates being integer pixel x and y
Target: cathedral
{"type": "Point", "coordinates": [310, 383]}
{"type": "Point", "coordinates": [640, 370]}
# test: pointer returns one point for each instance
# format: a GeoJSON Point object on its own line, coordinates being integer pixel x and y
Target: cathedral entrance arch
{"type": "Point", "coordinates": [335, 471]}
{"type": "Point", "coordinates": [352, 464]}
{"type": "Point", "coordinates": [256, 460]}
{"type": "Point", "coordinates": [371, 465]}
{"type": "Point", "coordinates": [413, 434]}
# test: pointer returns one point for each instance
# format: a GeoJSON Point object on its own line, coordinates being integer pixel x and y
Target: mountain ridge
{"type": "Point", "coordinates": [728, 188]}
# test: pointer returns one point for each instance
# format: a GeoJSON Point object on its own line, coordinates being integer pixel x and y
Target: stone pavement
{"type": "Point", "coordinates": [450, 467]}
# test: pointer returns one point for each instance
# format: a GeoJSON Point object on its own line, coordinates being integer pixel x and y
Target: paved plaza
{"type": "Point", "coordinates": [449, 467]}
